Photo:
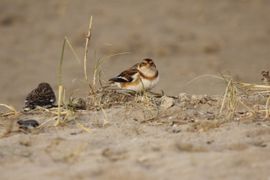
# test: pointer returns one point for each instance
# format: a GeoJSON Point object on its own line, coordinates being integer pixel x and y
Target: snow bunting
{"type": "Point", "coordinates": [43, 95]}
{"type": "Point", "coordinates": [141, 76]}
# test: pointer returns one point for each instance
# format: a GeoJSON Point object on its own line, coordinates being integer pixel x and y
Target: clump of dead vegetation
{"type": "Point", "coordinates": [246, 99]}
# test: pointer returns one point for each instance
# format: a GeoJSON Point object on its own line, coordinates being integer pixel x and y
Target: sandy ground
{"type": "Point", "coordinates": [186, 39]}
{"type": "Point", "coordinates": [134, 141]}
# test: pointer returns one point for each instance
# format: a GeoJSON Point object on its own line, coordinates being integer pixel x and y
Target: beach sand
{"type": "Point", "coordinates": [190, 41]}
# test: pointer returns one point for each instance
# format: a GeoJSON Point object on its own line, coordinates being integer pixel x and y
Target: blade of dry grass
{"type": "Point", "coordinates": [99, 62]}
{"type": "Point", "coordinates": [72, 50]}
{"type": "Point", "coordinates": [88, 37]}
{"type": "Point", "coordinates": [254, 86]}
{"type": "Point", "coordinates": [59, 109]}
{"type": "Point", "coordinates": [105, 120]}
{"type": "Point", "coordinates": [86, 129]}
{"type": "Point", "coordinates": [60, 85]}
{"type": "Point", "coordinates": [203, 76]}
{"type": "Point", "coordinates": [225, 97]}
{"type": "Point", "coordinates": [267, 107]}
{"type": "Point", "coordinates": [11, 108]}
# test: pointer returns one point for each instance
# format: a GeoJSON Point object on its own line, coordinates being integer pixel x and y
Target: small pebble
{"type": "Point", "coordinates": [166, 102]}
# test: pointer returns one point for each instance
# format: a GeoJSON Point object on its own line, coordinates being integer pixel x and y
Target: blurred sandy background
{"type": "Point", "coordinates": [185, 38]}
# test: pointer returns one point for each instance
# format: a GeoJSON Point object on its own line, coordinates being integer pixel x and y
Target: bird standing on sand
{"type": "Point", "coordinates": [43, 95]}
{"type": "Point", "coordinates": [142, 76]}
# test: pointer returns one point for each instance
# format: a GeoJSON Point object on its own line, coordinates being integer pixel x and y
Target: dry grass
{"type": "Point", "coordinates": [87, 40]}
{"type": "Point", "coordinates": [10, 116]}
{"type": "Point", "coordinates": [245, 97]}
{"type": "Point", "coordinates": [67, 112]}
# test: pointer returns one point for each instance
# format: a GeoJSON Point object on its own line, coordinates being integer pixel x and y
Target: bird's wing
{"type": "Point", "coordinates": [126, 76]}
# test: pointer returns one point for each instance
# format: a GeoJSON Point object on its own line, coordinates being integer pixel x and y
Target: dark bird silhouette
{"type": "Point", "coordinates": [27, 124]}
{"type": "Point", "coordinates": [43, 96]}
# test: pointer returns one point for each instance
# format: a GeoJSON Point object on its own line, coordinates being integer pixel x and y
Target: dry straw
{"type": "Point", "coordinates": [237, 91]}
{"type": "Point", "coordinates": [60, 69]}
{"type": "Point", "coordinates": [88, 37]}
{"type": "Point", "coordinates": [11, 115]}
